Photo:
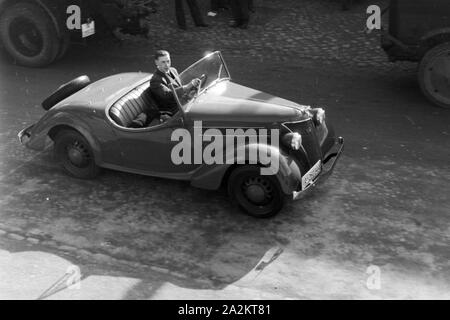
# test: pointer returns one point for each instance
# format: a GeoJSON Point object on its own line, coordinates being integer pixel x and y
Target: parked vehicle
{"type": "Point", "coordinates": [35, 33]}
{"type": "Point", "coordinates": [90, 125]}
{"type": "Point", "coordinates": [419, 31]}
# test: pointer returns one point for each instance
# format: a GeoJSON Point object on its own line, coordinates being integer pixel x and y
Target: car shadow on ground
{"type": "Point", "coordinates": [36, 272]}
{"type": "Point", "coordinates": [150, 221]}
{"type": "Point", "coordinates": [153, 222]}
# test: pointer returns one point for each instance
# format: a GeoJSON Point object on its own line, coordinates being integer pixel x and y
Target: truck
{"type": "Point", "coordinates": [36, 33]}
{"type": "Point", "coordinates": [419, 31]}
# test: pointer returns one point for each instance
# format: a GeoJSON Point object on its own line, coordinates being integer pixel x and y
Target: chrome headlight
{"type": "Point", "coordinates": [318, 116]}
{"type": "Point", "coordinates": [292, 140]}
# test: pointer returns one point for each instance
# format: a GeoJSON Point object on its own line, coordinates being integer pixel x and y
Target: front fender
{"type": "Point", "coordinates": [39, 138]}
{"type": "Point", "coordinates": [285, 168]}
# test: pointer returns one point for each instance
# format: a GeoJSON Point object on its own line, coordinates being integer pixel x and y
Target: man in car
{"type": "Point", "coordinates": [160, 85]}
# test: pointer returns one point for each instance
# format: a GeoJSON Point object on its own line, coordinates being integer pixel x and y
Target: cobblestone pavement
{"type": "Point", "coordinates": [302, 32]}
{"type": "Point", "coordinates": [370, 212]}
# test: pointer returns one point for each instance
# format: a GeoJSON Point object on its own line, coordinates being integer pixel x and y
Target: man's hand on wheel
{"type": "Point", "coordinates": [191, 94]}
{"type": "Point", "coordinates": [196, 82]}
{"type": "Point", "coordinates": [164, 118]}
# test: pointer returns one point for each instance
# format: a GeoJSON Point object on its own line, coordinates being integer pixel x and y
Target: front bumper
{"type": "Point", "coordinates": [328, 165]}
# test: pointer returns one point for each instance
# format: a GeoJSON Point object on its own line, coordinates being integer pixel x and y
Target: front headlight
{"type": "Point", "coordinates": [292, 140]}
{"type": "Point", "coordinates": [318, 116]}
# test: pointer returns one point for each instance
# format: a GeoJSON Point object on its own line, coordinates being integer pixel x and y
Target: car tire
{"type": "Point", "coordinates": [75, 154]}
{"type": "Point", "coordinates": [65, 91]}
{"type": "Point", "coordinates": [257, 195]}
{"type": "Point", "coordinates": [434, 76]}
{"type": "Point", "coordinates": [29, 35]}
{"type": "Point", "coordinates": [65, 44]}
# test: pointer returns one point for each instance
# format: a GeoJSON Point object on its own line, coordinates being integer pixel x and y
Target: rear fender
{"type": "Point", "coordinates": [42, 132]}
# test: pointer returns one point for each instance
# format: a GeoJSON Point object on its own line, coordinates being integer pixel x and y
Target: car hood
{"type": "Point", "coordinates": [228, 101]}
{"type": "Point", "coordinates": [99, 94]}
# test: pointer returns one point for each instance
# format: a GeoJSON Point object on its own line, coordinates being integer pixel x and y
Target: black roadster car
{"type": "Point", "coordinates": [263, 148]}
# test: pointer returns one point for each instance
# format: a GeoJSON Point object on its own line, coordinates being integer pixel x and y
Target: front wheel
{"type": "Point", "coordinates": [257, 195]}
{"type": "Point", "coordinates": [75, 154]}
{"type": "Point", "coordinates": [434, 75]}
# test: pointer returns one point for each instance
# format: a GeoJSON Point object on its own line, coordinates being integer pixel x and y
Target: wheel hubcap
{"type": "Point", "coordinates": [78, 155]}
{"type": "Point", "coordinates": [258, 190]}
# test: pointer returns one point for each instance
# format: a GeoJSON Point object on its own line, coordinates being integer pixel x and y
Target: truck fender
{"type": "Point", "coordinates": [445, 32]}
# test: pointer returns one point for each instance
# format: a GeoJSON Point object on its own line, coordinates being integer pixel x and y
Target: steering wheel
{"type": "Point", "coordinates": [164, 113]}
{"type": "Point", "coordinates": [194, 92]}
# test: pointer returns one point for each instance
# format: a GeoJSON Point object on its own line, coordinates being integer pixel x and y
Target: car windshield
{"type": "Point", "coordinates": [210, 69]}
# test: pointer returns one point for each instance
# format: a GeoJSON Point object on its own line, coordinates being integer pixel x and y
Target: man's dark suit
{"type": "Point", "coordinates": [161, 91]}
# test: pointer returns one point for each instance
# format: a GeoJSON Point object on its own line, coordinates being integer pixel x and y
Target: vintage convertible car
{"type": "Point", "coordinates": [91, 126]}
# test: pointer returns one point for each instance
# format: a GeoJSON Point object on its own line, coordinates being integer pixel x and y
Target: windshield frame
{"type": "Point", "coordinates": [213, 83]}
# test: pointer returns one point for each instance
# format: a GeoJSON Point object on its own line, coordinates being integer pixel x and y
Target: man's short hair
{"type": "Point", "coordinates": [161, 53]}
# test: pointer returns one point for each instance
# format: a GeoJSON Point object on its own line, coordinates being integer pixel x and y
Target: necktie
{"type": "Point", "coordinates": [172, 79]}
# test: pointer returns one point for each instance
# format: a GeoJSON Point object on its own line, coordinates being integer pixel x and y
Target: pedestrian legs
{"type": "Point", "coordinates": [250, 6]}
{"type": "Point", "coordinates": [195, 13]}
{"type": "Point", "coordinates": [179, 12]}
{"type": "Point", "coordinates": [240, 12]}
{"type": "Point", "coordinates": [245, 13]}
{"type": "Point", "coordinates": [215, 5]}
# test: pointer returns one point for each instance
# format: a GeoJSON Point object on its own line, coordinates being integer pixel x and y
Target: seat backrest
{"type": "Point", "coordinates": [127, 108]}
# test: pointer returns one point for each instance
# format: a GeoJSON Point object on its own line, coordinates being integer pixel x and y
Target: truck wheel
{"type": "Point", "coordinates": [65, 44]}
{"type": "Point", "coordinates": [75, 154]}
{"type": "Point", "coordinates": [65, 91]}
{"type": "Point", "coordinates": [257, 195]}
{"type": "Point", "coordinates": [28, 35]}
{"type": "Point", "coordinates": [434, 75]}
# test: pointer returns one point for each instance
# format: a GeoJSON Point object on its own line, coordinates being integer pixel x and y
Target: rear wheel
{"type": "Point", "coordinates": [75, 154]}
{"type": "Point", "coordinates": [257, 195]}
{"type": "Point", "coordinates": [29, 35]}
{"type": "Point", "coordinates": [434, 75]}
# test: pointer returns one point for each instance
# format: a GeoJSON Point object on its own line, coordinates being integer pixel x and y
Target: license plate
{"type": "Point", "coordinates": [88, 29]}
{"type": "Point", "coordinates": [311, 174]}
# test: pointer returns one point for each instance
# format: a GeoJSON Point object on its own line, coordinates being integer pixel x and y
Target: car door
{"type": "Point", "coordinates": [148, 150]}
